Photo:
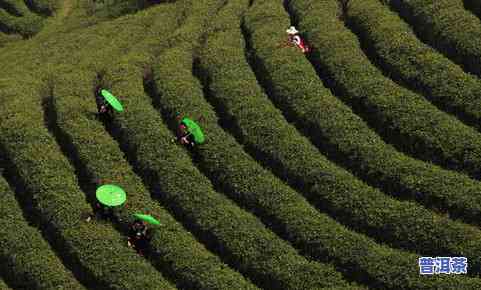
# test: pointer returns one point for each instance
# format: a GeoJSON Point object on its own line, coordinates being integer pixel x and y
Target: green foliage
{"type": "Point", "coordinates": [116, 8]}
{"type": "Point", "coordinates": [73, 45]}
{"type": "Point", "coordinates": [25, 257]}
{"type": "Point", "coordinates": [279, 146]}
{"type": "Point", "coordinates": [235, 235]}
{"type": "Point", "coordinates": [26, 25]}
{"type": "Point", "coordinates": [404, 118]}
{"type": "Point", "coordinates": [234, 91]}
{"type": "Point", "coordinates": [447, 26]}
{"type": "Point", "coordinates": [438, 225]}
{"type": "Point", "coordinates": [416, 64]}
{"type": "Point", "coordinates": [97, 253]}
{"type": "Point", "coordinates": [175, 249]}
{"type": "Point", "coordinates": [15, 17]}
{"type": "Point", "coordinates": [334, 128]}
{"type": "Point", "coordinates": [18, 8]}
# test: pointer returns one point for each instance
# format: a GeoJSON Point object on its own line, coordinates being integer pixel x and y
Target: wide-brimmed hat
{"type": "Point", "coordinates": [292, 30]}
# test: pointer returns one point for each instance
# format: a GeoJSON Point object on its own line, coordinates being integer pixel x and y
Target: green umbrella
{"type": "Point", "coordinates": [195, 130]}
{"type": "Point", "coordinates": [112, 100]}
{"type": "Point", "coordinates": [147, 218]}
{"type": "Point", "coordinates": [110, 195]}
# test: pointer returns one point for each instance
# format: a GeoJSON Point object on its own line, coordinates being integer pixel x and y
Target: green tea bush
{"type": "Point", "coordinates": [447, 26]}
{"type": "Point", "coordinates": [95, 251]}
{"type": "Point", "coordinates": [419, 66]}
{"type": "Point", "coordinates": [173, 248]}
{"type": "Point", "coordinates": [15, 17]}
{"type": "Point", "coordinates": [26, 25]}
{"type": "Point", "coordinates": [292, 84]}
{"type": "Point", "coordinates": [262, 128]}
{"type": "Point", "coordinates": [404, 118]}
{"type": "Point", "coordinates": [18, 8]}
{"type": "Point", "coordinates": [25, 257]}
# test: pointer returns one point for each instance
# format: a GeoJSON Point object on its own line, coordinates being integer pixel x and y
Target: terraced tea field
{"type": "Point", "coordinates": [335, 169]}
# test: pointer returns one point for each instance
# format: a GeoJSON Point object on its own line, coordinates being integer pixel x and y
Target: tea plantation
{"type": "Point", "coordinates": [333, 169]}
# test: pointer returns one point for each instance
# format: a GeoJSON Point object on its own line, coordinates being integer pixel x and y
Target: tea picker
{"type": "Point", "coordinates": [189, 133]}
{"type": "Point", "coordinates": [107, 103]}
{"type": "Point", "coordinates": [294, 39]}
{"type": "Point", "coordinates": [109, 197]}
{"type": "Point", "coordinates": [139, 234]}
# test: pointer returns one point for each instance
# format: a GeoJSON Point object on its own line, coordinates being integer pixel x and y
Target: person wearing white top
{"type": "Point", "coordinates": [295, 39]}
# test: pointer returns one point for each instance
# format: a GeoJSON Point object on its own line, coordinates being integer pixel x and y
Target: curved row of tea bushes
{"type": "Point", "coordinates": [403, 118]}
{"type": "Point", "coordinates": [234, 234]}
{"type": "Point", "coordinates": [26, 24]}
{"type": "Point", "coordinates": [419, 66]}
{"type": "Point", "coordinates": [96, 253]}
{"type": "Point", "coordinates": [175, 249]}
{"type": "Point", "coordinates": [26, 259]}
{"type": "Point", "coordinates": [334, 128]}
{"type": "Point", "coordinates": [21, 25]}
{"type": "Point", "coordinates": [17, 8]}
{"type": "Point", "coordinates": [447, 26]}
{"type": "Point", "coordinates": [11, 7]}
{"type": "Point", "coordinates": [256, 122]}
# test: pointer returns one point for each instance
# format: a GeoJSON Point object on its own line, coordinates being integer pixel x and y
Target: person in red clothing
{"type": "Point", "coordinates": [295, 39]}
